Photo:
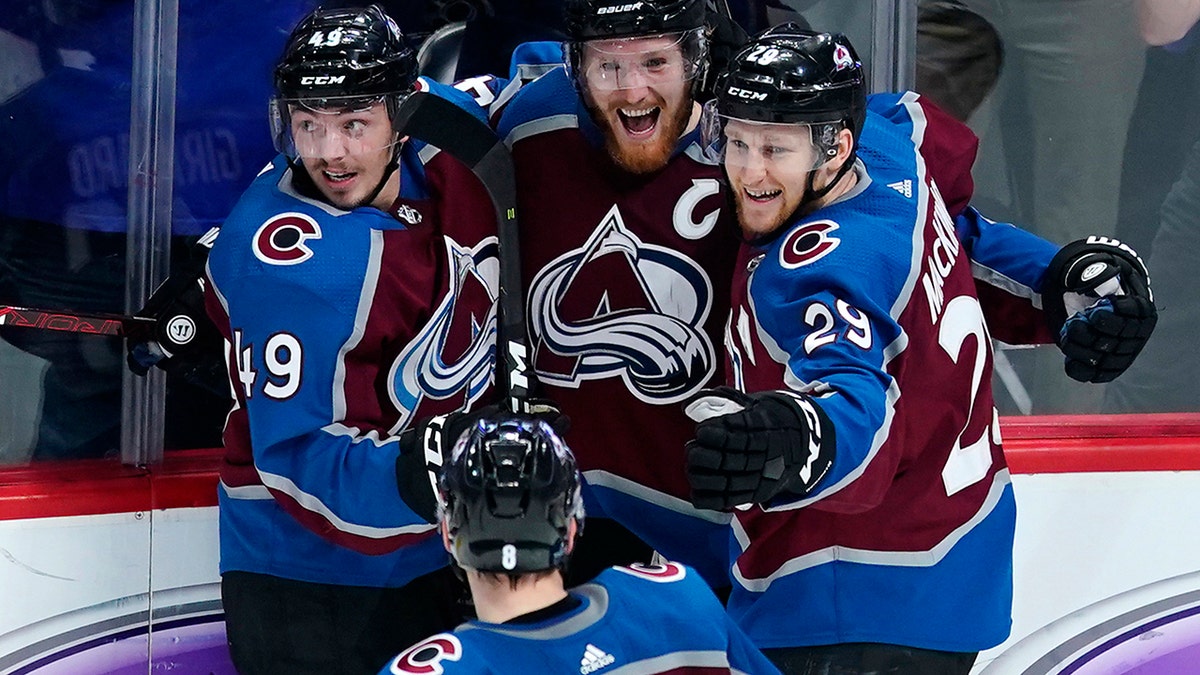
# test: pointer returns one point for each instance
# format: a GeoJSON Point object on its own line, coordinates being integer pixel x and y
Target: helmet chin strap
{"type": "Point", "coordinates": [387, 174]}
{"type": "Point", "coordinates": [812, 194]}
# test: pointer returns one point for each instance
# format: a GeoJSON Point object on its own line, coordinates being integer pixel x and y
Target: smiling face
{"type": "Point", "coordinates": [346, 152]}
{"type": "Point", "coordinates": [638, 91]}
{"type": "Point", "coordinates": [768, 167]}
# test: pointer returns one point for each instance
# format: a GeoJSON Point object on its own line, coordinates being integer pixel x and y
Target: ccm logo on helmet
{"type": "Point", "coordinates": [323, 79]}
{"type": "Point", "coordinates": [282, 239]}
{"type": "Point", "coordinates": [619, 8]}
{"type": "Point", "coordinates": [747, 94]}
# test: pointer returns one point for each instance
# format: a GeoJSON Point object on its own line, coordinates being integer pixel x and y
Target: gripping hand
{"type": "Point", "coordinates": [750, 448]}
{"type": "Point", "coordinates": [1099, 305]}
{"type": "Point", "coordinates": [184, 340]}
{"type": "Point", "coordinates": [428, 443]}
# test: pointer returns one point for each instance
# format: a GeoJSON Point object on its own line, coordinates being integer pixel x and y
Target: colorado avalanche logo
{"type": "Point", "coordinates": [663, 572]}
{"type": "Point", "coordinates": [425, 657]}
{"type": "Point", "coordinates": [643, 308]}
{"type": "Point", "coordinates": [282, 239]}
{"type": "Point", "coordinates": [421, 369]}
{"type": "Point", "coordinates": [841, 57]}
{"type": "Point", "coordinates": [808, 243]}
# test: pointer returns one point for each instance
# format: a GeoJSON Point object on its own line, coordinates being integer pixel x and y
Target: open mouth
{"type": "Point", "coordinates": [338, 178]}
{"type": "Point", "coordinates": [639, 121]}
{"type": "Point", "coordinates": [761, 196]}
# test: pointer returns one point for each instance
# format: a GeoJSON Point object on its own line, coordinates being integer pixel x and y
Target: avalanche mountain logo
{"type": "Point", "coordinates": [422, 369]}
{"type": "Point", "coordinates": [619, 307]}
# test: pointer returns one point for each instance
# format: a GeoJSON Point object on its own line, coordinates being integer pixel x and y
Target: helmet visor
{"type": "Point", "coordinates": [741, 144]}
{"type": "Point", "coordinates": [331, 127]}
{"type": "Point", "coordinates": [648, 61]}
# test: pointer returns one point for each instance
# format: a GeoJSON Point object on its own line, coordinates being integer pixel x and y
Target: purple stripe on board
{"type": "Point", "coordinates": [1120, 656]}
{"type": "Point", "coordinates": [187, 646]}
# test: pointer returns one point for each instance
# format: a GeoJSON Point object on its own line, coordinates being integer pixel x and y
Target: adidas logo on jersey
{"type": "Point", "coordinates": [594, 659]}
{"type": "Point", "coordinates": [904, 187]}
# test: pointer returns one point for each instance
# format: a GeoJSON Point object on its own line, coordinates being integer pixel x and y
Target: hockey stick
{"type": "Point", "coordinates": [455, 131]}
{"type": "Point", "coordinates": [68, 321]}
{"type": "Point", "coordinates": [138, 327]}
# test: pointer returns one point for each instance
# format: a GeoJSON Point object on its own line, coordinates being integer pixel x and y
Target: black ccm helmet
{"type": "Point", "coordinates": [788, 74]}
{"type": "Point", "coordinates": [618, 19]}
{"type": "Point", "coordinates": [341, 58]}
{"type": "Point", "coordinates": [509, 491]}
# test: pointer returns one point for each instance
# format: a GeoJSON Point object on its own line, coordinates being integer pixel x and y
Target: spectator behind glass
{"type": "Point", "coordinates": [959, 55]}
{"type": "Point", "coordinates": [1161, 205]}
{"type": "Point", "coordinates": [1050, 144]}
{"type": "Point", "coordinates": [64, 184]}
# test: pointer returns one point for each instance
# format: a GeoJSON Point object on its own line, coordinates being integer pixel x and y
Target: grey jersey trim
{"type": "Point", "coordinates": [540, 126]}
{"type": "Point", "coordinates": [597, 609]}
{"type": "Point", "coordinates": [672, 661]}
{"type": "Point", "coordinates": [427, 153]}
{"type": "Point", "coordinates": [926, 558]}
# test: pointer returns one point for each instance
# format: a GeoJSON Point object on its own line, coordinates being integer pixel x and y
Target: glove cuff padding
{"type": "Point", "coordinates": [1098, 303]}
{"type": "Point", "coordinates": [805, 464]}
{"type": "Point", "coordinates": [1069, 270]}
{"type": "Point", "coordinates": [753, 448]}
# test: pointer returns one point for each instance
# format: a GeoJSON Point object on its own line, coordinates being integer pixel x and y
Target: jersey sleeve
{"type": "Point", "coordinates": [681, 588]}
{"type": "Point", "coordinates": [833, 331]}
{"type": "Point", "coordinates": [1009, 265]}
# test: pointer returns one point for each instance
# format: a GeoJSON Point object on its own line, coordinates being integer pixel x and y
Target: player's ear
{"type": "Point", "coordinates": [572, 530]}
{"type": "Point", "coordinates": [844, 147]}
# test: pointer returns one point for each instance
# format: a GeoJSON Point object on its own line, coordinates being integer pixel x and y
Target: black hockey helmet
{"type": "Point", "coordinates": [606, 19]}
{"type": "Point", "coordinates": [788, 74]}
{"type": "Point", "coordinates": [621, 19]}
{"type": "Point", "coordinates": [339, 53]}
{"type": "Point", "coordinates": [509, 492]}
{"type": "Point", "coordinates": [338, 59]}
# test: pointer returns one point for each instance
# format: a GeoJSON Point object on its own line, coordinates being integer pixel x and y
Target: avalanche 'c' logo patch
{"type": "Point", "coordinates": [660, 572]}
{"type": "Point", "coordinates": [425, 657]}
{"type": "Point", "coordinates": [282, 239]}
{"type": "Point", "coordinates": [808, 243]}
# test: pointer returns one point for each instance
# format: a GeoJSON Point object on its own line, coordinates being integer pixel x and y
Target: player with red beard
{"type": "Point", "coordinates": [627, 259]}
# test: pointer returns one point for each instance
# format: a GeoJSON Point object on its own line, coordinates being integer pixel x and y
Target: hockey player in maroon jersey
{"type": "Point", "coordinates": [354, 283]}
{"type": "Point", "coordinates": [511, 513]}
{"type": "Point", "coordinates": [857, 442]}
{"type": "Point", "coordinates": [627, 267]}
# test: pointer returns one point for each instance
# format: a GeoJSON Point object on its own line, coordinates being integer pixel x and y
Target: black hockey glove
{"type": "Point", "coordinates": [185, 342]}
{"type": "Point", "coordinates": [750, 448]}
{"type": "Point", "coordinates": [1098, 303]}
{"type": "Point", "coordinates": [426, 444]}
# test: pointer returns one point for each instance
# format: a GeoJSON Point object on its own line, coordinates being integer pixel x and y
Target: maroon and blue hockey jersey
{"type": "Point", "coordinates": [871, 306]}
{"type": "Point", "coordinates": [343, 328]}
{"type": "Point", "coordinates": [627, 281]}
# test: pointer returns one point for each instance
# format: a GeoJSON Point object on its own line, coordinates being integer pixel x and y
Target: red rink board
{"type": "Point", "coordinates": [188, 478]}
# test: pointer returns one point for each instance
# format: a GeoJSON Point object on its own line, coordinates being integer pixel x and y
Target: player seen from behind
{"type": "Point", "coordinates": [511, 512]}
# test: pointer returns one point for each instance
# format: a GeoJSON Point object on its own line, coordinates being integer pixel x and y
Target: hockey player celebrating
{"type": "Point", "coordinates": [356, 296]}
{"type": "Point", "coordinates": [858, 444]}
{"type": "Point", "coordinates": [627, 267]}
{"type": "Point", "coordinates": [511, 510]}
